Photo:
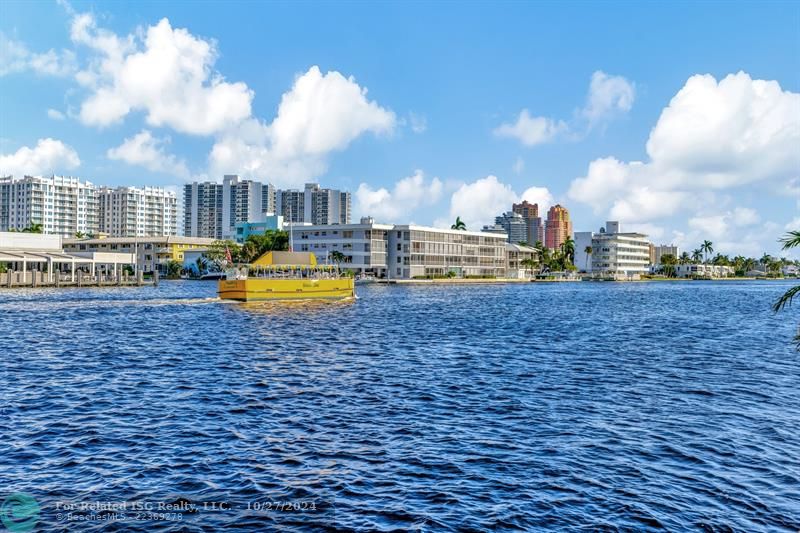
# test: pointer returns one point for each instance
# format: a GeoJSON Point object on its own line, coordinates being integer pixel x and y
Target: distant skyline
{"type": "Point", "coordinates": [680, 120]}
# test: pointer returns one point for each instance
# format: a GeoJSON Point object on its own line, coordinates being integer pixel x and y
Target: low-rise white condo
{"type": "Point", "coordinates": [419, 251]}
{"type": "Point", "coordinates": [399, 252]}
{"type": "Point", "coordinates": [690, 270]}
{"type": "Point", "coordinates": [364, 245]}
{"type": "Point", "coordinates": [614, 254]}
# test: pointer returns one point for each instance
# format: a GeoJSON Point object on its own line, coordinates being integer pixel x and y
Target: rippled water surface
{"type": "Point", "coordinates": [575, 406]}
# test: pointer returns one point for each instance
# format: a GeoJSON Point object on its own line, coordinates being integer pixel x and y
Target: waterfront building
{"type": "Point", "coordinates": [417, 251]}
{"type": "Point", "coordinates": [270, 223]}
{"type": "Point", "coordinates": [530, 213]}
{"type": "Point", "coordinates": [62, 205]}
{"type": "Point", "coordinates": [364, 245]}
{"type": "Point", "coordinates": [623, 256]}
{"type": "Point", "coordinates": [37, 258]}
{"type": "Point", "coordinates": [513, 225]}
{"type": "Point", "coordinates": [517, 256]}
{"type": "Point", "coordinates": [151, 253]}
{"type": "Point", "coordinates": [137, 212]}
{"type": "Point", "coordinates": [790, 271]}
{"type": "Point", "coordinates": [558, 227]}
{"type": "Point", "coordinates": [657, 252]}
{"type": "Point", "coordinates": [704, 271]}
{"type": "Point", "coordinates": [314, 205]}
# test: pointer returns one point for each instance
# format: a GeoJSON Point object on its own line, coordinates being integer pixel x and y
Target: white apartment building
{"type": "Point", "coordinates": [202, 210]}
{"type": "Point", "coordinates": [63, 205]}
{"type": "Point", "coordinates": [623, 256]}
{"type": "Point", "coordinates": [314, 205]}
{"type": "Point", "coordinates": [244, 201]}
{"type": "Point", "coordinates": [137, 212]}
{"type": "Point", "coordinates": [703, 271]}
{"type": "Point", "coordinates": [418, 251]}
{"type": "Point", "coordinates": [517, 256]}
{"type": "Point", "coordinates": [212, 210]}
{"type": "Point", "coordinates": [364, 245]}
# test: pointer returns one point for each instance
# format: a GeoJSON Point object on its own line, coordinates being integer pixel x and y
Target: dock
{"type": "Point", "coordinates": [35, 279]}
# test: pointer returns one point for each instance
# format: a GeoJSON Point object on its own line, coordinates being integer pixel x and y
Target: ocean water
{"type": "Point", "coordinates": [565, 407]}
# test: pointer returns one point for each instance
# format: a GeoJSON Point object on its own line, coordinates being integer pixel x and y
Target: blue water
{"type": "Point", "coordinates": [575, 406]}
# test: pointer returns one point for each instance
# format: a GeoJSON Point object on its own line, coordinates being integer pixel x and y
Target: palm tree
{"type": "Point", "coordinates": [33, 228]}
{"type": "Point", "coordinates": [588, 251]}
{"type": "Point", "coordinates": [697, 255]}
{"type": "Point", "coordinates": [707, 248]}
{"type": "Point", "coordinates": [791, 240]}
{"type": "Point", "coordinates": [684, 258]}
{"type": "Point", "coordinates": [459, 225]}
{"type": "Point", "coordinates": [337, 257]}
{"type": "Point", "coordinates": [529, 264]}
{"type": "Point", "coordinates": [765, 260]}
{"type": "Point", "coordinates": [174, 268]}
{"type": "Point", "coordinates": [568, 250]}
{"type": "Point", "coordinates": [668, 262]}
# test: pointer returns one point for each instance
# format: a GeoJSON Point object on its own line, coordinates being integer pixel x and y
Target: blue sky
{"type": "Point", "coordinates": [441, 129]}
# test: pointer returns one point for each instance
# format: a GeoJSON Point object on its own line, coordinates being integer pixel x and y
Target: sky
{"type": "Point", "coordinates": [679, 119]}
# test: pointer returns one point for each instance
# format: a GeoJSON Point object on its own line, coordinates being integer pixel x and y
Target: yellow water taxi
{"type": "Point", "coordinates": [285, 276]}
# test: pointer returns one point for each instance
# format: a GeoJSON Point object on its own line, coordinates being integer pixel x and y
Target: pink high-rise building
{"type": "Point", "coordinates": [557, 227]}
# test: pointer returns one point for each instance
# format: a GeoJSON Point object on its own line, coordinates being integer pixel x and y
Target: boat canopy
{"type": "Point", "coordinates": [307, 259]}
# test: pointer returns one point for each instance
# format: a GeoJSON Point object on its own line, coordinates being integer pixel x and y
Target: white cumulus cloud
{"type": "Point", "coordinates": [55, 114]}
{"type": "Point", "coordinates": [47, 157]}
{"type": "Point", "coordinates": [167, 73]}
{"type": "Point", "coordinates": [147, 151]}
{"type": "Point", "coordinates": [538, 195]}
{"type": "Point", "coordinates": [408, 194]}
{"type": "Point", "coordinates": [479, 202]}
{"type": "Point", "coordinates": [15, 57]}
{"type": "Point", "coordinates": [530, 130]}
{"type": "Point", "coordinates": [322, 113]}
{"type": "Point", "coordinates": [608, 95]}
{"type": "Point", "coordinates": [712, 136]}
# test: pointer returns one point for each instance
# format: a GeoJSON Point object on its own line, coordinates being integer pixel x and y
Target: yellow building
{"type": "Point", "coordinates": [152, 253]}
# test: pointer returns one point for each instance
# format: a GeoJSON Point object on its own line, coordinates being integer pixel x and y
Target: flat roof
{"type": "Point", "coordinates": [520, 248]}
{"type": "Point", "coordinates": [639, 235]}
{"type": "Point", "coordinates": [318, 227]}
{"type": "Point", "coordinates": [31, 256]}
{"type": "Point", "coordinates": [414, 227]}
{"type": "Point", "coordinates": [167, 239]}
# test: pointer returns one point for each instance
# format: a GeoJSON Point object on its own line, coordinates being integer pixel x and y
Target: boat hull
{"type": "Point", "coordinates": [260, 289]}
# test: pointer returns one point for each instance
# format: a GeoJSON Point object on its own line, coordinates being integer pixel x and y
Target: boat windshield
{"type": "Point", "coordinates": [284, 272]}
